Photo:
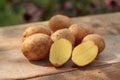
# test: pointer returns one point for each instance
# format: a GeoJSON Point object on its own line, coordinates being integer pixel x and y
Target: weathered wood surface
{"type": "Point", "coordinates": [13, 65]}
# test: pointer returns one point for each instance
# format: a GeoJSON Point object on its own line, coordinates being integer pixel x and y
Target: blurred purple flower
{"type": "Point", "coordinates": [30, 8]}
{"type": "Point", "coordinates": [68, 4]}
{"type": "Point", "coordinates": [112, 4]}
{"type": "Point", "coordinates": [36, 15]}
{"type": "Point", "coordinates": [32, 13]}
{"type": "Point", "coordinates": [93, 6]}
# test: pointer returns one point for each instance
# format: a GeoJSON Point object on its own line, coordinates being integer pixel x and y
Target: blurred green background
{"type": "Point", "coordinates": [14, 12]}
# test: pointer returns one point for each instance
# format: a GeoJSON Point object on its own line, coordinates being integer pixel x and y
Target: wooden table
{"type": "Point", "coordinates": [13, 65]}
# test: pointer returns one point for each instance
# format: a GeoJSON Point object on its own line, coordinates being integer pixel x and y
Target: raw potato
{"type": "Point", "coordinates": [84, 53]}
{"type": "Point", "coordinates": [60, 52]}
{"type": "Point", "coordinates": [89, 28]}
{"type": "Point", "coordinates": [36, 46]}
{"type": "Point", "coordinates": [36, 29]}
{"type": "Point", "coordinates": [79, 32]}
{"type": "Point", "coordinates": [63, 33]}
{"type": "Point", "coordinates": [99, 41]}
{"type": "Point", "coordinates": [59, 21]}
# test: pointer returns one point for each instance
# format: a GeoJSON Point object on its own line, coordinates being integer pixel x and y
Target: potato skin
{"type": "Point", "coordinates": [63, 33]}
{"type": "Point", "coordinates": [89, 29]}
{"type": "Point", "coordinates": [99, 41]}
{"type": "Point", "coordinates": [36, 29]}
{"type": "Point", "coordinates": [79, 32]}
{"type": "Point", "coordinates": [58, 22]}
{"type": "Point", "coordinates": [36, 46]}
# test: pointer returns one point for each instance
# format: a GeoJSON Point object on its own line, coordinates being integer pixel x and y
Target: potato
{"type": "Point", "coordinates": [59, 21]}
{"type": "Point", "coordinates": [36, 29]}
{"type": "Point", "coordinates": [60, 52]}
{"type": "Point", "coordinates": [63, 33]}
{"type": "Point", "coordinates": [84, 53]}
{"type": "Point", "coordinates": [99, 41]}
{"type": "Point", "coordinates": [79, 32]}
{"type": "Point", "coordinates": [36, 46]}
{"type": "Point", "coordinates": [89, 28]}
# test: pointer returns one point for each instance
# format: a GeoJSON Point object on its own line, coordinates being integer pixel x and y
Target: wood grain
{"type": "Point", "coordinates": [13, 65]}
{"type": "Point", "coordinates": [103, 72]}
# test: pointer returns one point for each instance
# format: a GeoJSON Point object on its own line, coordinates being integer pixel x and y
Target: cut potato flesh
{"type": "Point", "coordinates": [84, 53]}
{"type": "Point", "coordinates": [60, 52]}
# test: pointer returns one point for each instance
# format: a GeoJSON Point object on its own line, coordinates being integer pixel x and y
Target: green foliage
{"type": "Point", "coordinates": [2, 4]}
{"type": "Point", "coordinates": [12, 11]}
{"type": "Point", "coordinates": [9, 17]}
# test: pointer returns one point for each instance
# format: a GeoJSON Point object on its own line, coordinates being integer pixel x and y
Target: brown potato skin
{"type": "Point", "coordinates": [36, 46]}
{"type": "Point", "coordinates": [79, 32]}
{"type": "Point", "coordinates": [89, 29]}
{"type": "Point", "coordinates": [58, 22]}
{"type": "Point", "coordinates": [99, 41]}
{"type": "Point", "coordinates": [36, 29]}
{"type": "Point", "coordinates": [63, 33]}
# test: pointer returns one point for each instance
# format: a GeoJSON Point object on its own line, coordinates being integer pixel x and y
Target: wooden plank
{"type": "Point", "coordinates": [100, 72]}
{"type": "Point", "coordinates": [103, 72]}
{"type": "Point", "coordinates": [13, 65]}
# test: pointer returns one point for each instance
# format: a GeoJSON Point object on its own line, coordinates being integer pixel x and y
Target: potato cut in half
{"type": "Point", "coordinates": [84, 53]}
{"type": "Point", "coordinates": [60, 52]}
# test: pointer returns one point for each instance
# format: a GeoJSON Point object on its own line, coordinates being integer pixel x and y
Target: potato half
{"type": "Point", "coordinates": [60, 52]}
{"type": "Point", "coordinates": [36, 46]}
{"type": "Point", "coordinates": [84, 53]}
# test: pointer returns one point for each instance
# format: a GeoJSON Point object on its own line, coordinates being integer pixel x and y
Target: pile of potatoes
{"type": "Point", "coordinates": [61, 41]}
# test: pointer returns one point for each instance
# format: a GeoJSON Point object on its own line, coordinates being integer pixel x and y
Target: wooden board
{"type": "Point", "coordinates": [13, 65]}
{"type": "Point", "coordinates": [101, 72]}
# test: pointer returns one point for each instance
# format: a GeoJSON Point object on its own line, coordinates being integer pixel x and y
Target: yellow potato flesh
{"type": "Point", "coordinates": [84, 53]}
{"type": "Point", "coordinates": [60, 52]}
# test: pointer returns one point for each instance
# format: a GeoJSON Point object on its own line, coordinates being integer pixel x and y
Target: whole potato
{"type": "Point", "coordinates": [36, 29]}
{"type": "Point", "coordinates": [58, 22]}
{"type": "Point", "coordinates": [79, 32]}
{"type": "Point", "coordinates": [63, 33]}
{"type": "Point", "coordinates": [89, 28]}
{"type": "Point", "coordinates": [97, 39]}
{"type": "Point", "coordinates": [36, 46]}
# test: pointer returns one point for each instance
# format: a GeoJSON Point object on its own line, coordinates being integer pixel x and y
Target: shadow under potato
{"type": "Point", "coordinates": [43, 62]}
